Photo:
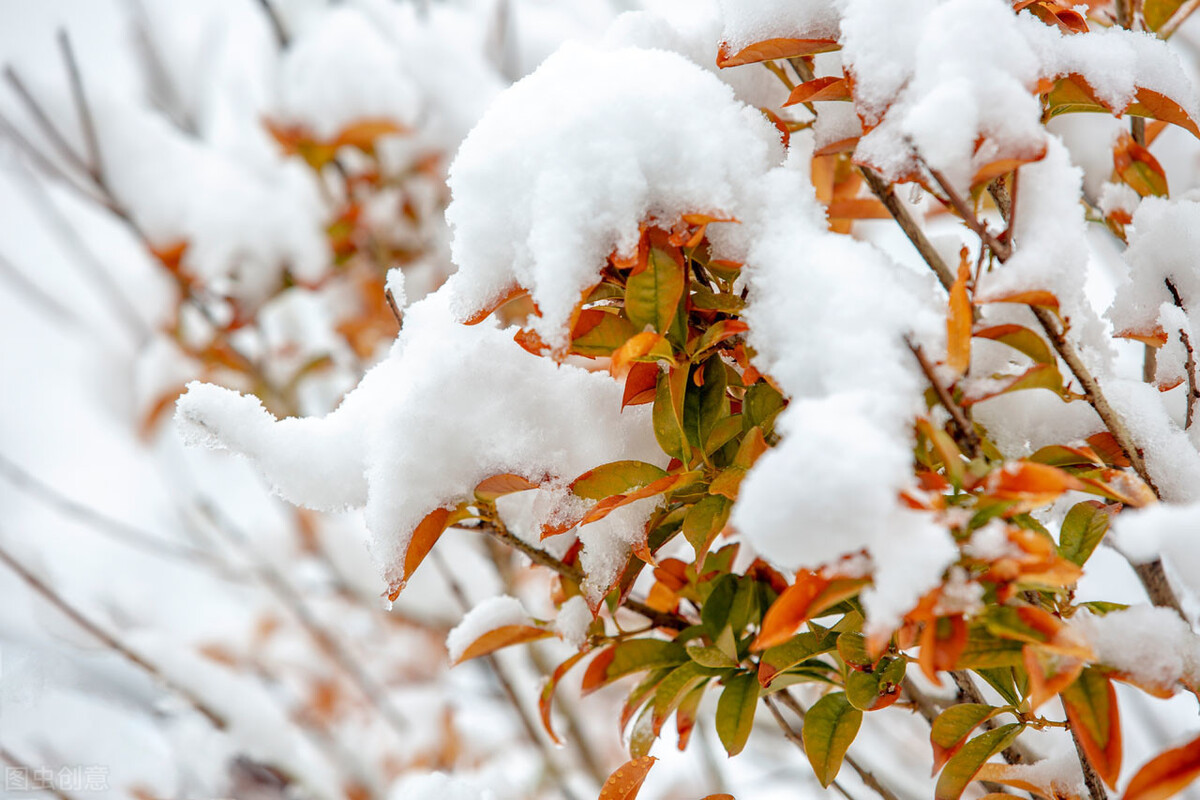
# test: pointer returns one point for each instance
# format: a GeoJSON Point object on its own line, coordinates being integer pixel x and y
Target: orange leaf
{"type": "Point", "coordinates": [943, 640]}
{"type": "Point", "coordinates": [1049, 673]}
{"type": "Point", "coordinates": [1138, 168]}
{"type": "Point", "coordinates": [640, 384]}
{"type": "Point", "coordinates": [990, 171]}
{"type": "Point", "coordinates": [858, 208]}
{"type": "Point", "coordinates": [1016, 776]}
{"type": "Point", "coordinates": [818, 89]}
{"type": "Point", "coordinates": [503, 636]}
{"type": "Point", "coordinates": [1031, 298]}
{"type": "Point", "coordinates": [547, 696]}
{"type": "Point", "coordinates": [959, 320]}
{"type": "Point", "coordinates": [1150, 103]}
{"type": "Point", "coordinates": [811, 594]}
{"type": "Point", "coordinates": [498, 485]}
{"type": "Point", "coordinates": [769, 49]}
{"type": "Point", "coordinates": [638, 346]}
{"type": "Point", "coordinates": [609, 504]}
{"type": "Point", "coordinates": [423, 538]}
{"type": "Point", "coordinates": [1029, 482]}
{"type": "Point", "coordinates": [626, 782]}
{"type": "Point", "coordinates": [365, 132]}
{"type": "Point", "coordinates": [1166, 773]}
{"type": "Point", "coordinates": [483, 313]}
{"type": "Point", "coordinates": [1091, 705]}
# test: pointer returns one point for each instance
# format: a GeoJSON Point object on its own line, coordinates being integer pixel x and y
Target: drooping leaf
{"type": "Point", "coordinates": [704, 520]}
{"type": "Point", "coordinates": [1049, 673]}
{"type": "Point", "coordinates": [685, 714]}
{"type": "Point", "coordinates": [1082, 529]}
{"type": "Point", "coordinates": [617, 477]}
{"type": "Point", "coordinates": [668, 414]}
{"type": "Point", "coordinates": [546, 697]}
{"type": "Point", "coordinates": [1021, 339]}
{"type": "Point", "coordinates": [829, 728]}
{"type": "Point", "coordinates": [626, 782]}
{"type": "Point", "coordinates": [796, 650]}
{"type": "Point", "coordinates": [1166, 774]}
{"type": "Point", "coordinates": [735, 711]}
{"type": "Point", "coordinates": [1139, 170]}
{"type": "Point", "coordinates": [961, 768]}
{"type": "Point", "coordinates": [770, 49]}
{"type": "Point", "coordinates": [675, 687]}
{"type": "Point", "coordinates": [640, 384]}
{"type": "Point", "coordinates": [953, 727]}
{"type": "Point", "coordinates": [501, 637]}
{"type": "Point", "coordinates": [1091, 705]}
{"type": "Point", "coordinates": [423, 538]}
{"type": "Point", "coordinates": [943, 641]}
{"type": "Point", "coordinates": [818, 89]}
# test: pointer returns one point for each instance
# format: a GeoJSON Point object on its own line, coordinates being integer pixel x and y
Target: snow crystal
{"type": "Point", "coordinates": [493, 613]}
{"type": "Point", "coordinates": [1151, 645]}
{"type": "Point", "coordinates": [573, 621]}
{"type": "Point", "coordinates": [568, 162]}
{"type": "Point", "coordinates": [1171, 459]}
{"type": "Point", "coordinates": [450, 406]}
{"type": "Point", "coordinates": [1163, 242]}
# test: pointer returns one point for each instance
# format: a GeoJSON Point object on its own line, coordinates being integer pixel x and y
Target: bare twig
{"type": "Point", "coordinates": [86, 122]}
{"type": "Point", "coordinates": [1190, 364]}
{"type": "Point", "coordinates": [47, 126]}
{"type": "Point", "coordinates": [281, 34]}
{"type": "Point", "coordinates": [1001, 249]}
{"type": "Point", "coordinates": [887, 195]}
{"type": "Point", "coordinates": [291, 599]}
{"type": "Point", "coordinates": [1178, 18]}
{"type": "Point", "coordinates": [47, 165]}
{"type": "Point", "coordinates": [501, 676]}
{"type": "Point", "coordinates": [792, 736]}
{"type": "Point", "coordinates": [109, 641]}
{"type": "Point", "coordinates": [967, 438]}
{"type": "Point", "coordinates": [39, 296]}
{"type": "Point", "coordinates": [1094, 785]}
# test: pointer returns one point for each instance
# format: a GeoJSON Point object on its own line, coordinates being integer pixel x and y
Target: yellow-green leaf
{"type": "Point", "coordinates": [704, 520]}
{"type": "Point", "coordinates": [962, 768]}
{"type": "Point", "coordinates": [735, 711]}
{"type": "Point", "coordinates": [1082, 529]}
{"type": "Point", "coordinates": [829, 728]}
{"type": "Point", "coordinates": [617, 477]}
{"type": "Point", "coordinates": [952, 727]}
{"type": "Point", "coordinates": [652, 295]}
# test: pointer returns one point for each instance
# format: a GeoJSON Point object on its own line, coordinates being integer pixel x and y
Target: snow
{"type": "Point", "coordinates": [573, 621]}
{"type": "Point", "coordinates": [1171, 459]}
{"type": "Point", "coordinates": [438, 786]}
{"type": "Point", "coordinates": [445, 410]}
{"type": "Point", "coordinates": [493, 613]}
{"type": "Point", "coordinates": [758, 20]}
{"type": "Point", "coordinates": [1162, 530]}
{"type": "Point", "coordinates": [827, 318]}
{"type": "Point", "coordinates": [584, 150]}
{"type": "Point", "coordinates": [1153, 646]}
{"type": "Point", "coordinates": [1163, 239]}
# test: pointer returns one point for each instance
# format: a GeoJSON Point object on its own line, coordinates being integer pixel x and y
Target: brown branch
{"type": "Point", "coordinates": [1190, 363]}
{"type": "Point", "coordinates": [966, 436]}
{"type": "Point", "coordinates": [795, 738]}
{"type": "Point", "coordinates": [109, 641]}
{"type": "Point", "coordinates": [1178, 18]}
{"type": "Point", "coordinates": [1001, 249]}
{"type": "Point", "coordinates": [280, 32]}
{"type": "Point", "coordinates": [895, 206]}
{"type": "Point", "coordinates": [1094, 785]}
{"type": "Point", "coordinates": [47, 126]}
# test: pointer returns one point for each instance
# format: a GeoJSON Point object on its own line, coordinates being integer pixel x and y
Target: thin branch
{"type": "Point", "coordinates": [48, 166]}
{"type": "Point", "coordinates": [792, 736]}
{"type": "Point", "coordinates": [1190, 363]}
{"type": "Point", "coordinates": [86, 121]}
{"type": "Point", "coordinates": [47, 126]}
{"type": "Point", "coordinates": [291, 599]}
{"type": "Point", "coordinates": [538, 556]}
{"type": "Point", "coordinates": [895, 206]}
{"type": "Point", "coordinates": [1001, 249]}
{"type": "Point", "coordinates": [1094, 785]}
{"type": "Point", "coordinates": [966, 436]}
{"type": "Point", "coordinates": [1178, 18]}
{"type": "Point", "coordinates": [281, 34]}
{"type": "Point", "coordinates": [501, 676]}
{"type": "Point", "coordinates": [39, 296]}
{"type": "Point", "coordinates": [109, 641]}
{"type": "Point", "coordinates": [109, 526]}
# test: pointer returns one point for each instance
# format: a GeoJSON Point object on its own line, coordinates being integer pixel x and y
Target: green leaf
{"type": "Point", "coordinates": [714, 404]}
{"type": "Point", "coordinates": [675, 687]}
{"type": "Point", "coordinates": [952, 727]}
{"type": "Point", "coordinates": [724, 432]}
{"type": "Point", "coordinates": [652, 295]}
{"type": "Point", "coordinates": [637, 655]}
{"type": "Point", "coordinates": [966, 763]}
{"type": "Point", "coordinates": [618, 477]}
{"type": "Point", "coordinates": [745, 605]}
{"type": "Point", "coordinates": [796, 650]}
{"type": "Point", "coordinates": [1082, 530]}
{"type": "Point", "coordinates": [878, 688]}
{"type": "Point", "coordinates": [712, 301]}
{"type": "Point", "coordinates": [760, 406]}
{"type": "Point", "coordinates": [984, 650]}
{"type": "Point", "coordinates": [735, 711]}
{"type": "Point", "coordinates": [704, 520]}
{"type": "Point", "coordinates": [610, 331]}
{"type": "Point", "coordinates": [643, 736]}
{"type": "Point", "coordinates": [714, 614]}
{"type": "Point", "coordinates": [829, 728]}
{"type": "Point", "coordinates": [668, 414]}
{"type": "Point", "coordinates": [1001, 679]}
{"type": "Point", "coordinates": [710, 656]}
{"type": "Point", "coordinates": [852, 647]}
